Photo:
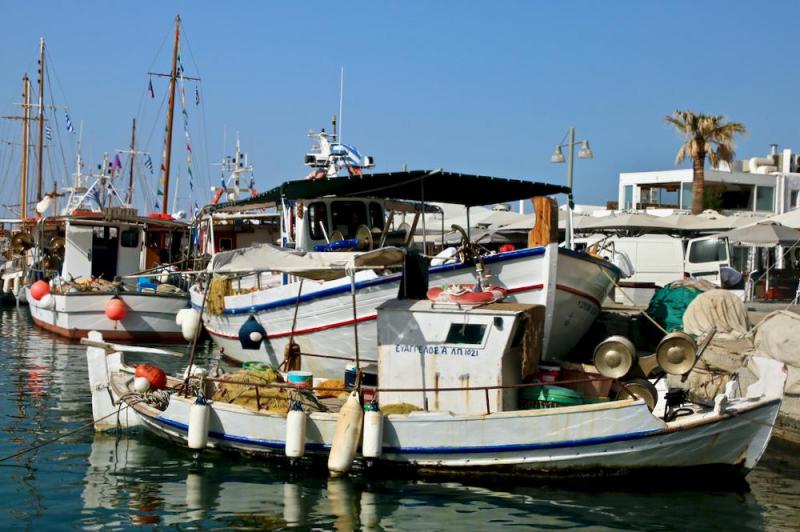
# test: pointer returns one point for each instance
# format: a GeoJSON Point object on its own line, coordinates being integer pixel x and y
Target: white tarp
{"type": "Point", "coordinates": [315, 265]}
{"type": "Point", "coordinates": [719, 308]}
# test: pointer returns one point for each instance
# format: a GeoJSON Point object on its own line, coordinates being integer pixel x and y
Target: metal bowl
{"type": "Point", "coordinates": [676, 353]}
{"type": "Point", "coordinates": [614, 357]}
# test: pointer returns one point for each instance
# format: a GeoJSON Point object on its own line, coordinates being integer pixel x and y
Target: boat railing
{"type": "Point", "coordinates": [378, 389]}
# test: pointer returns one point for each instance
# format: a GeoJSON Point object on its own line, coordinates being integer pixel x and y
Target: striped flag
{"type": "Point", "coordinates": [149, 164]}
{"type": "Point", "coordinates": [49, 133]}
{"type": "Point", "coordinates": [70, 127]}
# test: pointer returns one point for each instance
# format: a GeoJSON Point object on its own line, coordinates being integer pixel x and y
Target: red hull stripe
{"type": "Point", "coordinates": [121, 335]}
{"type": "Point", "coordinates": [345, 323]}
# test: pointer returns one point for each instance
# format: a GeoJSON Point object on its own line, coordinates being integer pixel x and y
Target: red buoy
{"type": "Point", "coordinates": [39, 289]}
{"type": "Point", "coordinates": [154, 374]}
{"type": "Point", "coordinates": [116, 309]}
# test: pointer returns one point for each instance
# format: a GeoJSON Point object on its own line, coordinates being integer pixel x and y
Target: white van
{"type": "Point", "coordinates": [660, 259]}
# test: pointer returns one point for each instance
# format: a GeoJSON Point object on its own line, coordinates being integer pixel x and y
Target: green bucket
{"type": "Point", "coordinates": [548, 396]}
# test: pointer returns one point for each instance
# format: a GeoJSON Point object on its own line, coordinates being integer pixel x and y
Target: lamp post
{"type": "Point", "coordinates": [584, 153]}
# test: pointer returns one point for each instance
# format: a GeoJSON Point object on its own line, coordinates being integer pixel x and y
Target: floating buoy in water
{"type": "Point", "coordinates": [154, 375]}
{"type": "Point", "coordinates": [39, 289]}
{"type": "Point", "coordinates": [296, 432]}
{"type": "Point", "coordinates": [7, 281]}
{"type": "Point", "coordinates": [116, 310]}
{"type": "Point", "coordinates": [189, 323]}
{"type": "Point", "coordinates": [346, 437]}
{"type": "Point", "coordinates": [251, 333]}
{"type": "Point", "coordinates": [199, 416]}
{"type": "Point", "coordinates": [141, 384]}
{"type": "Point", "coordinates": [372, 442]}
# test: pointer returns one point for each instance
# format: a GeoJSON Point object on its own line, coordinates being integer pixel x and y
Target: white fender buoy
{"type": "Point", "coordinates": [296, 432]}
{"type": "Point", "coordinates": [189, 323]}
{"type": "Point", "coordinates": [180, 316]}
{"type": "Point", "coordinates": [7, 280]}
{"type": "Point", "coordinates": [199, 416]}
{"type": "Point", "coordinates": [47, 301]}
{"type": "Point", "coordinates": [372, 442]}
{"type": "Point", "coordinates": [346, 437]}
{"type": "Point", "coordinates": [141, 384]}
{"type": "Point", "coordinates": [17, 283]}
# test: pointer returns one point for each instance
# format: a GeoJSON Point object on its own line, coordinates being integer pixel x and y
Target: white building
{"type": "Point", "coordinates": [765, 185]}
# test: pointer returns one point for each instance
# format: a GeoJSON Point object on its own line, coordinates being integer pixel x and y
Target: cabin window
{"type": "Point", "coordinates": [129, 238]}
{"type": "Point", "coordinates": [225, 244]}
{"type": "Point", "coordinates": [346, 216]}
{"type": "Point", "coordinates": [376, 219]}
{"type": "Point", "coordinates": [710, 250]}
{"type": "Point", "coordinates": [318, 220]}
{"type": "Point", "coordinates": [465, 333]}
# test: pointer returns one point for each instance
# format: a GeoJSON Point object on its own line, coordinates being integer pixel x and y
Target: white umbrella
{"type": "Point", "coordinates": [763, 234]}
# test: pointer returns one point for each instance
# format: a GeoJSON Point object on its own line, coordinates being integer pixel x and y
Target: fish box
{"type": "Point", "coordinates": [427, 347]}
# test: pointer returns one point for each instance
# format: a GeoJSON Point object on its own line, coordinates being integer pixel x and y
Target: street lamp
{"type": "Point", "coordinates": [585, 152]}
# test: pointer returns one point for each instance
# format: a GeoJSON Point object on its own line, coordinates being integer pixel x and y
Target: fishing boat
{"type": "Point", "coordinates": [364, 212]}
{"type": "Point", "coordinates": [462, 381]}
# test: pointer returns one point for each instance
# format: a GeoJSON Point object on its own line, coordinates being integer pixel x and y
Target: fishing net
{"type": "Point", "coordinates": [221, 286]}
{"type": "Point", "coordinates": [716, 308]}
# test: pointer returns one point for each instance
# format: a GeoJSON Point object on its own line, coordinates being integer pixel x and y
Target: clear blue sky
{"type": "Point", "coordinates": [479, 87]}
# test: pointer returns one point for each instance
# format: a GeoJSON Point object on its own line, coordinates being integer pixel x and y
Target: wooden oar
{"type": "Point", "coordinates": [130, 348]}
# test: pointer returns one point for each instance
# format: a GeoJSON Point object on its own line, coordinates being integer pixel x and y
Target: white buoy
{"type": "Point", "coordinates": [7, 283]}
{"type": "Point", "coordinates": [179, 317]}
{"type": "Point", "coordinates": [372, 442]}
{"type": "Point", "coordinates": [47, 301]}
{"type": "Point", "coordinates": [189, 323]}
{"type": "Point", "coordinates": [199, 416]}
{"type": "Point", "coordinates": [16, 284]}
{"type": "Point", "coordinates": [296, 432]}
{"type": "Point", "coordinates": [346, 437]}
{"type": "Point", "coordinates": [256, 336]}
{"type": "Point", "coordinates": [141, 384]}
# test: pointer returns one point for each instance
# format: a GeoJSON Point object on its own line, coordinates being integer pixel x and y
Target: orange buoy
{"type": "Point", "coordinates": [39, 289]}
{"type": "Point", "coordinates": [116, 309]}
{"type": "Point", "coordinates": [154, 374]}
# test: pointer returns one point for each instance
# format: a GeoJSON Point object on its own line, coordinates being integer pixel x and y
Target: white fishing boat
{"type": "Point", "coordinates": [354, 213]}
{"type": "Point", "coordinates": [462, 375]}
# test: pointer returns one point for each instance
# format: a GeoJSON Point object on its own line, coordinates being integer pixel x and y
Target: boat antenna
{"type": "Point", "coordinates": [341, 103]}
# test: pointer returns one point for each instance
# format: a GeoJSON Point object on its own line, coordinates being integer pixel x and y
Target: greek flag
{"type": "Point", "coordinates": [70, 127]}
{"type": "Point", "coordinates": [149, 164]}
{"type": "Point", "coordinates": [349, 153]}
{"type": "Point", "coordinates": [49, 133]}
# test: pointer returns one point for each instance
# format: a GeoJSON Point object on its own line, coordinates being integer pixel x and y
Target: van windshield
{"type": "Point", "coordinates": [710, 250]}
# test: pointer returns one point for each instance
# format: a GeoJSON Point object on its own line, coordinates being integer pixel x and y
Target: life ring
{"type": "Point", "coordinates": [464, 294]}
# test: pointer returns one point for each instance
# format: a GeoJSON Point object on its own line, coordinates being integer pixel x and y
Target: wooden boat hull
{"type": "Point", "coordinates": [149, 318]}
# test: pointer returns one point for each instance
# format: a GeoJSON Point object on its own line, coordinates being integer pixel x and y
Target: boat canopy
{"type": "Point", "coordinates": [414, 185]}
{"type": "Point", "coordinates": [320, 266]}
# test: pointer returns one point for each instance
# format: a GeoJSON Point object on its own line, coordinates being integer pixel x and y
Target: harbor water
{"type": "Point", "coordinates": [94, 481]}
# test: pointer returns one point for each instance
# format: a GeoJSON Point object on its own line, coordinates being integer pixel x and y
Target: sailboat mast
{"type": "Point", "coordinates": [26, 115]}
{"type": "Point", "coordinates": [41, 122]}
{"type": "Point", "coordinates": [129, 197]}
{"type": "Point", "coordinates": [171, 112]}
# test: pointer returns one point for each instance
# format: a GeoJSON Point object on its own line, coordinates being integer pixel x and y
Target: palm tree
{"type": "Point", "coordinates": [705, 136]}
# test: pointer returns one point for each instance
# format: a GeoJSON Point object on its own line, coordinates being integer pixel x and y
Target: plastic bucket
{"type": "Point", "coordinates": [548, 373]}
{"type": "Point", "coordinates": [548, 397]}
{"type": "Point", "coordinates": [301, 379]}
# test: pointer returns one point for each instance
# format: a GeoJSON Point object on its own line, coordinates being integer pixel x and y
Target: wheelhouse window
{"type": "Point", "coordinates": [129, 238]}
{"type": "Point", "coordinates": [376, 217]}
{"type": "Point", "coordinates": [317, 220]}
{"type": "Point", "coordinates": [346, 216]}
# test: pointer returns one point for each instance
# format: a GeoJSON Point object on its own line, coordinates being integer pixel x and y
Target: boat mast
{"type": "Point", "coordinates": [41, 121]}
{"type": "Point", "coordinates": [26, 115]}
{"type": "Point", "coordinates": [129, 196]}
{"type": "Point", "coordinates": [170, 112]}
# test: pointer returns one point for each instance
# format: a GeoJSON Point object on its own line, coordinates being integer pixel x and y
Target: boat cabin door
{"type": "Point", "coordinates": [704, 257]}
{"type": "Point", "coordinates": [77, 252]}
{"type": "Point", "coordinates": [105, 251]}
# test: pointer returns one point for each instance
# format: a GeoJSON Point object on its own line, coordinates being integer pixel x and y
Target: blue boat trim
{"type": "Point", "coordinates": [395, 277]}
